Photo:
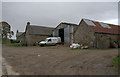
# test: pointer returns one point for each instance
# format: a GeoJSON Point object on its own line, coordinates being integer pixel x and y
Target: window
{"type": "Point", "coordinates": [89, 22]}
{"type": "Point", "coordinates": [49, 40]}
{"type": "Point", "coordinates": [104, 25]}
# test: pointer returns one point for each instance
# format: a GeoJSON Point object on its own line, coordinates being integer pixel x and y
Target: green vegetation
{"type": "Point", "coordinates": [93, 48]}
{"type": "Point", "coordinates": [6, 30]}
{"type": "Point", "coordinates": [116, 61]}
{"type": "Point", "coordinates": [14, 44]}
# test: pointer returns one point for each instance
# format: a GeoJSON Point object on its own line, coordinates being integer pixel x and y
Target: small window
{"type": "Point", "coordinates": [104, 25]}
{"type": "Point", "coordinates": [89, 22]}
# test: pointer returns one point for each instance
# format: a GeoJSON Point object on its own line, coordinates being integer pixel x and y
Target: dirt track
{"type": "Point", "coordinates": [60, 61]}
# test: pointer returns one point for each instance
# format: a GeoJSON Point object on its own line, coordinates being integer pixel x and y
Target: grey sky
{"type": "Point", "coordinates": [51, 13]}
{"type": "Point", "coordinates": [0, 11]}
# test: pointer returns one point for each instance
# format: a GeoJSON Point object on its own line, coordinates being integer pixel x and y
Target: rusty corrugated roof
{"type": "Point", "coordinates": [103, 27]}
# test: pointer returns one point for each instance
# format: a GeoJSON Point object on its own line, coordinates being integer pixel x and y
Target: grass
{"type": "Point", "coordinates": [116, 61]}
{"type": "Point", "coordinates": [93, 48]}
{"type": "Point", "coordinates": [14, 44]}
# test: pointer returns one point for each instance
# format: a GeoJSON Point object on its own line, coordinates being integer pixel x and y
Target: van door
{"type": "Point", "coordinates": [49, 42]}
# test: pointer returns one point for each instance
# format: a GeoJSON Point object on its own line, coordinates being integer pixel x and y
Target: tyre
{"type": "Point", "coordinates": [42, 45]}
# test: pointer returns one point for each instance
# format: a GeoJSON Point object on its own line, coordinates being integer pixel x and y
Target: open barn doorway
{"type": "Point", "coordinates": [61, 35]}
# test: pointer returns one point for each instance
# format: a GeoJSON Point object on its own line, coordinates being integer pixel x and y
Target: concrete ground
{"type": "Point", "coordinates": [58, 60]}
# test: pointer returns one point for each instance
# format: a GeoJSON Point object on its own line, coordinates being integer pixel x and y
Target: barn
{"type": "Point", "coordinates": [33, 33]}
{"type": "Point", "coordinates": [97, 34]}
{"type": "Point", "coordinates": [66, 32]}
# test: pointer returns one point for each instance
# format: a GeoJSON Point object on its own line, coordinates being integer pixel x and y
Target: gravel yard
{"type": "Point", "coordinates": [60, 60]}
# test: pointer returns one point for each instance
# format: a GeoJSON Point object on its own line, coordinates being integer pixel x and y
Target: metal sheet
{"type": "Point", "coordinates": [104, 25]}
{"type": "Point", "coordinates": [71, 34]}
{"type": "Point", "coordinates": [56, 33]}
{"type": "Point", "coordinates": [89, 22]}
{"type": "Point", "coordinates": [67, 35]}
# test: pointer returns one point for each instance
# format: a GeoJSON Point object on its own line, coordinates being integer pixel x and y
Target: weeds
{"type": "Point", "coordinates": [116, 61]}
{"type": "Point", "coordinates": [14, 44]}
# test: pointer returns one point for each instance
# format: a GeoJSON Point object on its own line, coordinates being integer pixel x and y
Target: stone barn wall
{"type": "Point", "coordinates": [84, 35]}
{"type": "Point", "coordinates": [105, 40]}
{"type": "Point", "coordinates": [21, 38]}
{"type": "Point", "coordinates": [36, 38]}
{"type": "Point", "coordinates": [33, 39]}
{"type": "Point", "coordinates": [28, 38]}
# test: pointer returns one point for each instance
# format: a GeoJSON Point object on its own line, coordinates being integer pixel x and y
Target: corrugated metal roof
{"type": "Point", "coordinates": [64, 24]}
{"type": "Point", "coordinates": [105, 28]}
{"type": "Point", "coordinates": [68, 23]}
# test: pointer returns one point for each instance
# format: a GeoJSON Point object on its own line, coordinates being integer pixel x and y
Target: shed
{"type": "Point", "coordinates": [66, 32]}
{"type": "Point", "coordinates": [34, 33]}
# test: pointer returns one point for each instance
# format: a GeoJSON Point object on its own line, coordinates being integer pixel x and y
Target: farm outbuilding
{"type": "Point", "coordinates": [97, 34]}
{"type": "Point", "coordinates": [35, 34]}
{"type": "Point", "coordinates": [66, 32]}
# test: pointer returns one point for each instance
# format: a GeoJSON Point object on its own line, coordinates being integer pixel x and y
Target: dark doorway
{"type": "Point", "coordinates": [61, 34]}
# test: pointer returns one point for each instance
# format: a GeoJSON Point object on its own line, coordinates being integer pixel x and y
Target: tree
{"type": "Point", "coordinates": [5, 29]}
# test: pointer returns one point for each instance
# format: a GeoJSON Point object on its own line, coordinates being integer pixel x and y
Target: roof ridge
{"type": "Point", "coordinates": [67, 23]}
{"type": "Point", "coordinates": [41, 26]}
{"type": "Point", "coordinates": [101, 22]}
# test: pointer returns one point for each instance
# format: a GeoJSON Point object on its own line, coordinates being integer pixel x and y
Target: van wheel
{"type": "Point", "coordinates": [42, 45]}
{"type": "Point", "coordinates": [59, 43]}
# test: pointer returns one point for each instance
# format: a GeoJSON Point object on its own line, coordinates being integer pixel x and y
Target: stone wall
{"type": "Point", "coordinates": [34, 39]}
{"type": "Point", "coordinates": [21, 38]}
{"type": "Point", "coordinates": [84, 35]}
{"type": "Point", "coordinates": [105, 40]}
{"type": "Point", "coordinates": [28, 38]}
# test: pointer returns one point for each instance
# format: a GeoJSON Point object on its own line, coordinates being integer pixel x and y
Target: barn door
{"type": "Point", "coordinates": [61, 35]}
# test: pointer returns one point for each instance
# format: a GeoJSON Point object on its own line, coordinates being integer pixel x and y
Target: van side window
{"type": "Point", "coordinates": [49, 40]}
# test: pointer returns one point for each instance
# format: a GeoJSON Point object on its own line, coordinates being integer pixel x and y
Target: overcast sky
{"type": "Point", "coordinates": [17, 14]}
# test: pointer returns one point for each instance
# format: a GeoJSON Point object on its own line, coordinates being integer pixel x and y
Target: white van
{"type": "Point", "coordinates": [50, 41]}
